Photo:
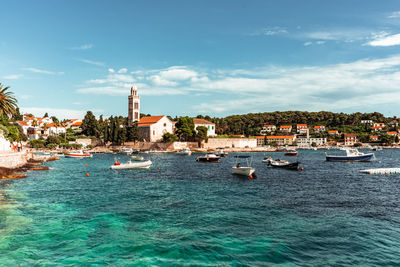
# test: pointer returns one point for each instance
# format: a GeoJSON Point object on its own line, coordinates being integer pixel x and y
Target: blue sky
{"type": "Point", "coordinates": [201, 57]}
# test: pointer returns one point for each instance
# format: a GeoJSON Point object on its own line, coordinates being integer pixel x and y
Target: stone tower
{"type": "Point", "coordinates": [133, 106]}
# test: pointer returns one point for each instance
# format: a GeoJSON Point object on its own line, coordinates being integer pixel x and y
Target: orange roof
{"type": "Point", "coordinates": [25, 123]}
{"type": "Point", "coordinates": [333, 131]}
{"type": "Point", "coordinates": [317, 127]}
{"type": "Point", "coordinates": [268, 125]}
{"type": "Point", "coordinates": [147, 121]}
{"type": "Point", "coordinates": [280, 137]}
{"type": "Point", "coordinates": [373, 136]}
{"type": "Point", "coordinates": [78, 123]}
{"type": "Point", "coordinates": [286, 126]}
{"type": "Point", "coordinates": [376, 127]}
{"type": "Point", "coordinates": [350, 135]}
{"type": "Point", "coordinates": [201, 121]}
{"type": "Point", "coordinates": [391, 132]}
{"type": "Point", "coordinates": [301, 125]}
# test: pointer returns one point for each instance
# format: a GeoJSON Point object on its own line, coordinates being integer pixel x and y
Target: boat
{"type": "Point", "coordinates": [243, 170]}
{"type": "Point", "coordinates": [267, 159]}
{"type": "Point", "coordinates": [185, 151]}
{"type": "Point", "coordinates": [131, 165]}
{"type": "Point", "coordinates": [208, 158]}
{"type": "Point", "coordinates": [126, 150]}
{"type": "Point", "coordinates": [285, 164]}
{"type": "Point", "coordinates": [291, 153]}
{"type": "Point", "coordinates": [221, 153]}
{"type": "Point", "coordinates": [137, 158]}
{"type": "Point", "coordinates": [377, 148]}
{"type": "Point", "coordinates": [352, 154]}
{"type": "Point", "coordinates": [78, 154]}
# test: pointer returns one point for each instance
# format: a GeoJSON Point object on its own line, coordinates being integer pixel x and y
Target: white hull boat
{"type": "Point", "coordinates": [185, 151]}
{"type": "Point", "coordinates": [131, 165]}
{"type": "Point", "coordinates": [79, 154]}
{"type": "Point", "coordinates": [246, 171]}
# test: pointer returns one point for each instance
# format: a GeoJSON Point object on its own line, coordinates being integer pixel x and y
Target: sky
{"type": "Point", "coordinates": [214, 58]}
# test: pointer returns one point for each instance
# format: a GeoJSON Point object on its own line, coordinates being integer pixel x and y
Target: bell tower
{"type": "Point", "coordinates": [133, 106]}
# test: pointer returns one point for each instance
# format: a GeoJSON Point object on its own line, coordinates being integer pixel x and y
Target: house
{"type": "Point", "coordinates": [307, 142]}
{"type": "Point", "coordinates": [350, 139]}
{"type": "Point", "coordinates": [54, 129]}
{"type": "Point", "coordinates": [319, 129]}
{"type": "Point", "coordinates": [367, 122]}
{"type": "Point", "coordinates": [378, 124]}
{"type": "Point", "coordinates": [268, 128]}
{"type": "Point", "coordinates": [209, 125]}
{"type": "Point", "coordinates": [76, 125]}
{"type": "Point", "coordinates": [301, 128]}
{"type": "Point", "coordinates": [153, 128]}
{"type": "Point", "coordinates": [377, 128]}
{"type": "Point", "coordinates": [261, 140]}
{"type": "Point", "coordinates": [285, 128]}
{"type": "Point", "coordinates": [373, 138]}
{"type": "Point", "coordinates": [281, 139]}
{"type": "Point", "coordinates": [333, 132]}
{"type": "Point", "coordinates": [394, 123]}
{"type": "Point", "coordinates": [393, 133]}
{"type": "Point", "coordinates": [73, 123]}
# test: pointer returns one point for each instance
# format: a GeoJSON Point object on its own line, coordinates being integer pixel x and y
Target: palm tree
{"type": "Point", "coordinates": [8, 103]}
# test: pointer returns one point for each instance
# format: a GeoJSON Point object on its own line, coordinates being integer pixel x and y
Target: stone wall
{"type": "Point", "coordinates": [230, 142]}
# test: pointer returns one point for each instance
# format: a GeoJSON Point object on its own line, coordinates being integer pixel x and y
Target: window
{"type": "Point", "coordinates": [154, 132]}
{"type": "Point", "coordinates": [165, 125]}
{"type": "Point", "coordinates": [136, 105]}
{"type": "Point", "coordinates": [136, 116]}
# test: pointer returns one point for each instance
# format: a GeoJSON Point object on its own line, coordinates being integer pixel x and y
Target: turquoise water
{"type": "Point", "coordinates": [181, 212]}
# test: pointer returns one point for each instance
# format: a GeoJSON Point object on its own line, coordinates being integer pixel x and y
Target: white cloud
{"type": "Point", "coordinates": [270, 31]}
{"type": "Point", "coordinates": [307, 43]}
{"type": "Point", "coordinates": [91, 62]}
{"type": "Point", "coordinates": [394, 15]}
{"type": "Point", "coordinates": [82, 47]}
{"type": "Point", "coordinates": [13, 76]}
{"type": "Point", "coordinates": [386, 40]}
{"type": "Point", "coordinates": [36, 70]}
{"type": "Point", "coordinates": [123, 70]}
{"type": "Point", "coordinates": [111, 70]}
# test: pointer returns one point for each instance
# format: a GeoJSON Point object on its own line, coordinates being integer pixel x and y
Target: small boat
{"type": "Point", "coordinates": [137, 158]}
{"type": "Point", "coordinates": [352, 154]}
{"type": "Point", "coordinates": [131, 165]}
{"type": "Point", "coordinates": [285, 164]}
{"type": "Point", "coordinates": [267, 160]}
{"type": "Point", "coordinates": [208, 158]}
{"type": "Point", "coordinates": [243, 170]}
{"type": "Point", "coordinates": [78, 154]}
{"type": "Point", "coordinates": [221, 153]}
{"type": "Point", "coordinates": [185, 151]}
{"type": "Point", "coordinates": [377, 148]}
{"type": "Point", "coordinates": [126, 150]}
{"type": "Point", "coordinates": [291, 153]}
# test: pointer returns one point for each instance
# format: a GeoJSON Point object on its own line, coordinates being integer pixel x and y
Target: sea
{"type": "Point", "coordinates": [185, 213]}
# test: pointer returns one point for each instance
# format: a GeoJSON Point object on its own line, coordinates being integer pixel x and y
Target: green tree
{"type": "Point", "coordinates": [8, 103]}
{"type": "Point", "coordinates": [13, 133]}
{"type": "Point", "coordinates": [185, 128]}
{"type": "Point", "coordinates": [54, 119]}
{"type": "Point", "coordinates": [201, 133]}
{"type": "Point", "coordinates": [46, 115]}
{"type": "Point", "coordinates": [17, 115]}
{"type": "Point", "coordinates": [169, 137]}
{"type": "Point", "coordinates": [133, 133]}
{"type": "Point", "coordinates": [53, 139]}
{"type": "Point", "coordinates": [90, 125]}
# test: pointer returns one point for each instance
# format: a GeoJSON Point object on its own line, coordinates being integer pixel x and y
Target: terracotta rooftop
{"type": "Point", "coordinates": [280, 137]}
{"type": "Point", "coordinates": [201, 121]}
{"type": "Point", "coordinates": [147, 121]}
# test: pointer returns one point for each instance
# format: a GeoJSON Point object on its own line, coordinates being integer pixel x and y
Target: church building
{"type": "Point", "coordinates": [133, 106]}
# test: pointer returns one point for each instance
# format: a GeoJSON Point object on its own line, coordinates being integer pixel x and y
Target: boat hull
{"type": "Point", "coordinates": [200, 159]}
{"type": "Point", "coordinates": [78, 156]}
{"type": "Point", "coordinates": [246, 171]}
{"type": "Point", "coordinates": [366, 157]}
{"type": "Point", "coordinates": [289, 166]}
{"type": "Point", "coordinates": [132, 165]}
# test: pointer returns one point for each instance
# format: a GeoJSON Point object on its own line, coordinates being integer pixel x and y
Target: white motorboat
{"type": "Point", "coordinates": [137, 158]}
{"type": "Point", "coordinates": [208, 158]}
{"type": "Point", "coordinates": [243, 170]}
{"type": "Point", "coordinates": [352, 154]}
{"type": "Point", "coordinates": [131, 165]}
{"type": "Point", "coordinates": [126, 150]}
{"type": "Point", "coordinates": [267, 160]}
{"type": "Point", "coordinates": [185, 151]}
{"type": "Point", "coordinates": [78, 154]}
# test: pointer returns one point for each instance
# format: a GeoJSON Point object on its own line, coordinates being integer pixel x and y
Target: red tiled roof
{"type": "Point", "coordinates": [286, 126]}
{"type": "Point", "coordinates": [201, 121]}
{"type": "Point", "coordinates": [333, 131]}
{"type": "Point", "coordinates": [25, 123]}
{"type": "Point", "coordinates": [373, 136]}
{"type": "Point", "coordinates": [147, 121]}
{"type": "Point", "coordinates": [301, 125]}
{"type": "Point", "coordinates": [391, 132]}
{"type": "Point", "coordinates": [317, 127]}
{"type": "Point", "coordinates": [350, 135]}
{"type": "Point", "coordinates": [78, 123]}
{"type": "Point", "coordinates": [268, 125]}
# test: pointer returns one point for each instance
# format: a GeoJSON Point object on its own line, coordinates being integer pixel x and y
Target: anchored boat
{"type": "Point", "coordinates": [208, 158]}
{"type": "Point", "coordinates": [78, 154]}
{"type": "Point", "coordinates": [131, 165]}
{"type": "Point", "coordinates": [243, 170]}
{"type": "Point", "coordinates": [185, 151]}
{"type": "Point", "coordinates": [285, 164]}
{"type": "Point", "coordinates": [352, 154]}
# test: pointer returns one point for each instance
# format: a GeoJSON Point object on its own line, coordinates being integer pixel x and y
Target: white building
{"type": "Point", "coordinates": [268, 128]}
{"type": "Point", "coordinates": [5, 145]}
{"type": "Point", "coordinates": [301, 128]}
{"type": "Point", "coordinates": [153, 128]}
{"type": "Point", "coordinates": [319, 128]}
{"type": "Point", "coordinates": [133, 106]}
{"type": "Point", "coordinates": [54, 129]}
{"type": "Point", "coordinates": [281, 139]}
{"type": "Point", "coordinates": [285, 128]}
{"type": "Point", "coordinates": [350, 139]}
{"type": "Point", "coordinates": [209, 125]}
{"type": "Point", "coordinates": [367, 121]}
{"type": "Point", "coordinates": [307, 142]}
